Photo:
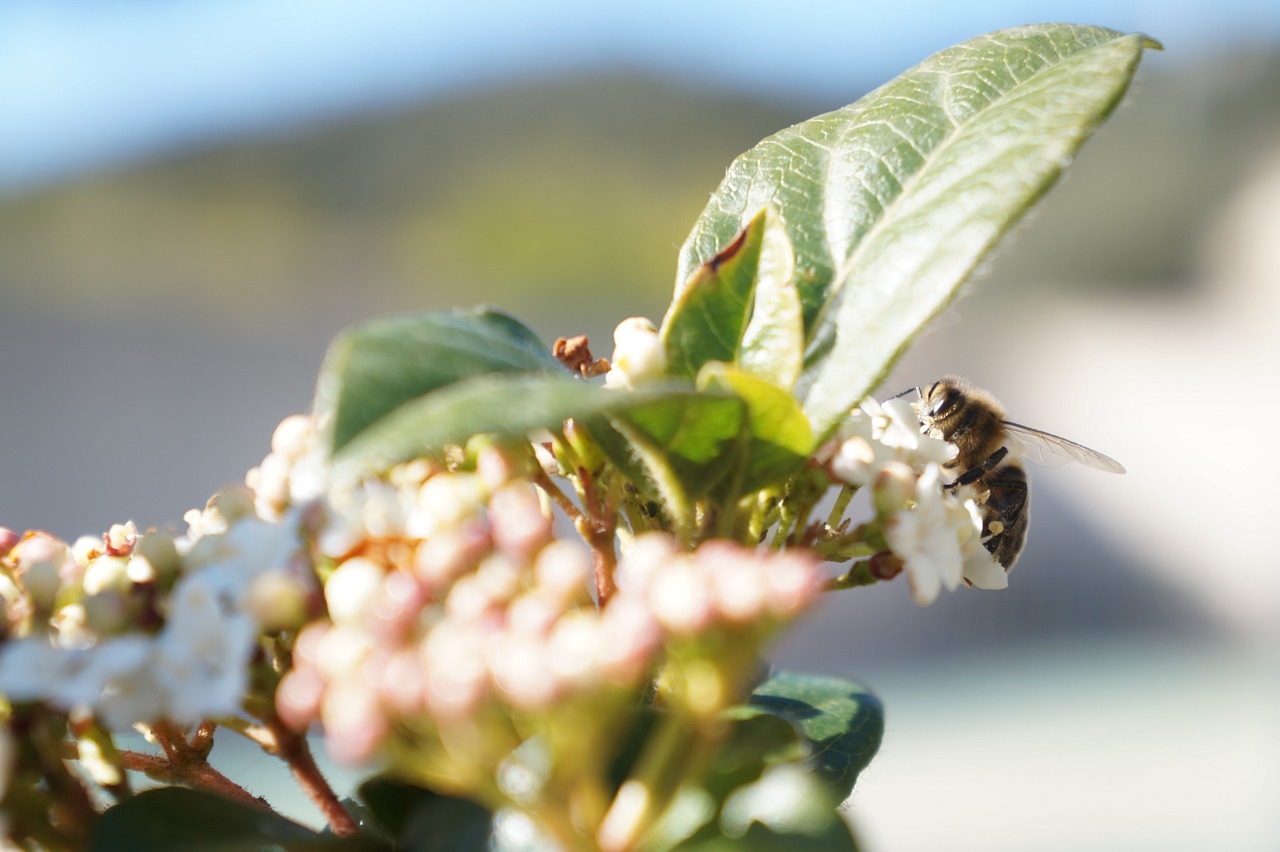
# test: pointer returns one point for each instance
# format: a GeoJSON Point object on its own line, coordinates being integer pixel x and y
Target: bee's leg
{"type": "Point", "coordinates": [973, 474]}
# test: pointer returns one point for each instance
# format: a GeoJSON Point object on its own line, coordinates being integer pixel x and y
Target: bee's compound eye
{"type": "Point", "coordinates": [949, 400]}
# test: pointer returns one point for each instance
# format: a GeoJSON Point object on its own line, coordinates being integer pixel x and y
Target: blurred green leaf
{"type": "Point", "coordinates": [500, 403]}
{"type": "Point", "coordinates": [841, 720]}
{"type": "Point", "coordinates": [176, 819]}
{"type": "Point", "coordinates": [425, 821]}
{"type": "Point", "coordinates": [377, 366]}
{"type": "Point", "coordinates": [892, 201]}
{"type": "Point", "coordinates": [785, 809]}
{"type": "Point", "coordinates": [681, 439]}
{"type": "Point", "coordinates": [779, 435]}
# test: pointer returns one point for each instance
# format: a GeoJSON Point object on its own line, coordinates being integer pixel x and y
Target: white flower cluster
{"type": "Point", "coordinates": [134, 627]}
{"type": "Point", "coordinates": [935, 531]}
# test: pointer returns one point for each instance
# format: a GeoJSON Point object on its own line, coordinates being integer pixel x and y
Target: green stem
{"type": "Point", "coordinates": [842, 503]}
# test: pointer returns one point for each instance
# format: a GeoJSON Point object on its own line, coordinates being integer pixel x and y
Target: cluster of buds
{"type": "Point", "coordinates": [452, 599]}
{"type": "Point", "coordinates": [933, 531]}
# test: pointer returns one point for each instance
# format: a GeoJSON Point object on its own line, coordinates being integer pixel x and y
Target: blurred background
{"type": "Point", "coordinates": [195, 195]}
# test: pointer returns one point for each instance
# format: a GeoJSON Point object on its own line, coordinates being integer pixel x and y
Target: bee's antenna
{"type": "Point", "coordinates": [907, 391]}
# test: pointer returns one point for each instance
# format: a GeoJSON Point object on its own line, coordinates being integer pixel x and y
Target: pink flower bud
{"type": "Point", "coordinates": [680, 598]}
{"type": "Point", "coordinates": [519, 526]}
{"type": "Point", "coordinates": [563, 570]}
{"type": "Point", "coordinates": [520, 671]}
{"type": "Point", "coordinates": [642, 560]}
{"type": "Point", "coordinates": [8, 538]}
{"type": "Point", "coordinates": [450, 553]}
{"type": "Point", "coordinates": [629, 638]}
{"type": "Point", "coordinates": [354, 722]}
{"type": "Point", "coordinates": [298, 697]}
{"type": "Point", "coordinates": [793, 581]}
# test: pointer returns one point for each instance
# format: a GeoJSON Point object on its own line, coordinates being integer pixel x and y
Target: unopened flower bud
{"type": "Point", "coordinates": [642, 560]}
{"type": "Point", "coordinates": [520, 670]}
{"type": "Point", "coordinates": [519, 528]}
{"type": "Point", "coordinates": [8, 538]}
{"type": "Point", "coordinates": [160, 553]}
{"type": "Point", "coordinates": [39, 561]}
{"type": "Point", "coordinates": [292, 438]}
{"type": "Point", "coordinates": [894, 488]}
{"type": "Point", "coordinates": [106, 613]}
{"type": "Point", "coordinates": [354, 722]}
{"type": "Point", "coordinates": [563, 569]}
{"type": "Point", "coordinates": [793, 581]}
{"type": "Point", "coordinates": [277, 601]}
{"type": "Point", "coordinates": [854, 461]}
{"type": "Point", "coordinates": [680, 598]}
{"type": "Point", "coordinates": [629, 638]}
{"type": "Point", "coordinates": [107, 573]}
{"type": "Point", "coordinates": [298, 697]}
{"type": "Point", "coordinates": [496, 465]}
{"type": "Point", "coordinates": [86, 549]}
{"type": "Point", "coordinates": [351, 590]}
{"type": "Point", "coordinates": [574, 649]}
{"type": "Point", "coordinates": [639, 355]}
{"type": "Point", "coordinates": [450, 553]}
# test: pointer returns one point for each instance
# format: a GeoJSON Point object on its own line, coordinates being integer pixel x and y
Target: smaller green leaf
{"type": "Point", "coordinates": [681, 438]}
{"type": "Point", "coordinates": [426, 821]}
{"type": "Point", "coordinates": [780, 438]}
{"type": "Point", "coordinates": [842, 721]}
{"type": "Point", "coordinates": [785, 810]}
{"type": "Point", "coordinates": [504, 404]}
{"type": "Point", "coordinates": [377, 366]}
{"type": "Point", "coordinates": [773, 344]}
{"type": "Point", "coordinates": [707, 319]}
{"type": "Point", "coordinates": [183, 820]}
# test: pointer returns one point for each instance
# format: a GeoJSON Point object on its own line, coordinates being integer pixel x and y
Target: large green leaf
{"type": "Point", "coordinates": [842, 722]}
{"type": "Point", "coordinates": [377, 366]}
{"type": "Point", "coordinates": [892, 201]}
{"type": "Point", "coordinates": [176, 819]}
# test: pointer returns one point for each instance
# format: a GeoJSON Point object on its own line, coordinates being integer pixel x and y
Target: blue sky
{"type": "Point", "coordinates": [93, 83]}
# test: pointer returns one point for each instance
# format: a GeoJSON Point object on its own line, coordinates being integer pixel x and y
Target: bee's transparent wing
{"type": "Point", "coordinates": [1049, 450]}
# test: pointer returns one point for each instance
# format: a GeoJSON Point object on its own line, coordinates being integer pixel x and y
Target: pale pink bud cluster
{"type": "Point", "coordinates": [454, 600]}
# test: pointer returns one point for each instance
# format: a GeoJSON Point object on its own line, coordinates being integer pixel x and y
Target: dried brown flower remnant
{"type": "Point", "coordinates": [575, 354]}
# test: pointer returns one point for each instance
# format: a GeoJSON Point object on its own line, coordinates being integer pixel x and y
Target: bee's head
{"type": "Point", "coordinates": [942, 399]}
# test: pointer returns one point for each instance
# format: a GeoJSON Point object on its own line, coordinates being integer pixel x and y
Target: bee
{"type": "Point", "coordinates": [989, 449]}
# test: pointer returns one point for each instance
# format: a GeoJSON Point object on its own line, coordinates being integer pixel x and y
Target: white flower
{"type": "Point", "coordinates": [876, 434]}
{"type": "Point", "coordinates": [926, 541]}
{"type": "Point", "coordinates": [203, 653]}
{"type": "Point", "coordinates": [638, 354]}
{"type": "Point", "coordinates": [940, 541]}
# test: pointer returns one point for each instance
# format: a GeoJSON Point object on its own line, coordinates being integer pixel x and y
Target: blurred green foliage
{"type": "Point", "coordinates": [552, 197]}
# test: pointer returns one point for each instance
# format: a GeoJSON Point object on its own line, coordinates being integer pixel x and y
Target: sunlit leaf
{"type": "Point", "coordinates": [892, 201]}
{"type": "Point", "coordinates": [841, 720]}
